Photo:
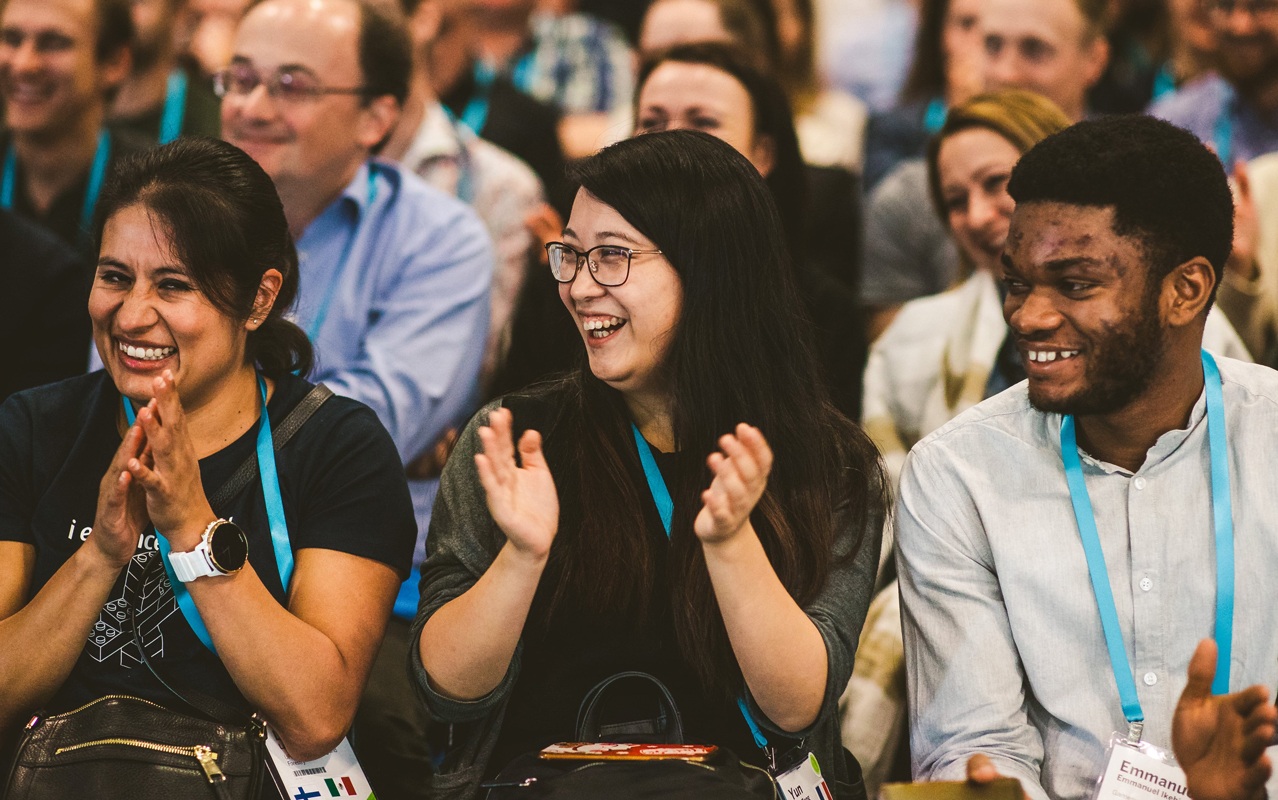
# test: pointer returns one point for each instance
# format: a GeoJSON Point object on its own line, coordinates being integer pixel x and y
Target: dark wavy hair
{"type": "Point", "coordinates": [740, 352]}
{"type": "Point", "coordinates": [228, 228]}
{"type": "Point", "coordinates": [1167, 189]}
{"type": "Point", "coordinates": [788, 179]}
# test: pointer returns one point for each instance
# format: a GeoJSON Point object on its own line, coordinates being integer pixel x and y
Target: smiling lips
{"type": "Point", "coordinates": [602, 327]}
{"type": "Point", "coordinates": [146, 353]}
{"type": "Point", "coordinates": [1047, 356]}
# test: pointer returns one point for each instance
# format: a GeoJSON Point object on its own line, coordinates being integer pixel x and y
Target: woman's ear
{"type": "Point", "coordinates": [763, 154]}
{"type": "Point", "coordinates": [267, 290]}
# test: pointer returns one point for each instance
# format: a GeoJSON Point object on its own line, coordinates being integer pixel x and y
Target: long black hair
{"type": "Point", "coordinates": [740, 352]}
{"type": "Point", "coordinates": [228, 228]}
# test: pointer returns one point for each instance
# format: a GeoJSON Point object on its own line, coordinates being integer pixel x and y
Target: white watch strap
{"type": "Point", "coordinates": [195, 564]}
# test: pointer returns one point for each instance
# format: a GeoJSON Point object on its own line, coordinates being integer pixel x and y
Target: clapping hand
{"type": "Point", "coordinates": [121, 515]}
{"type": "Point", "coordinates": [522, 499]}
{"type": "Point", "coordinates": [170, 477]}
{"type": "Point", "coordinates": [1220, 740]}
{"type": "Point", "coordinates": [740, 470]}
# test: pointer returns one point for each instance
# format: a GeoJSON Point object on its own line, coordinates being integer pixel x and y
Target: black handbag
{"type": "Point", "coordinates": [120, 746]}
{"type": "Point", "coordinates": [722, 776]}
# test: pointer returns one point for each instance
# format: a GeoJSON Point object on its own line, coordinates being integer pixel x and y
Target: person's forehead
{"type": "Point", "coordinates": [700, 84]}
{"type": "Point", "coordinates": [1049, 230]}
{"type": "Point", "coordinates": [1053, 20]}
{"type": "Point", "coordinates": [321, 35]}
{"type": "Point", "coordinates": [70, 17]}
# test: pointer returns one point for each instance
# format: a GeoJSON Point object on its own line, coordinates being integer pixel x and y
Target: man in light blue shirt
{"type": "Point", "coordinates": [1016, 665]}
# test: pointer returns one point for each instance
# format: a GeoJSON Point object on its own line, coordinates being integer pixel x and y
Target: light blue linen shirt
{"type": "Point", "coordinates": [405, 330]}
{"type": "Point", "coordinates": [1003, 642]}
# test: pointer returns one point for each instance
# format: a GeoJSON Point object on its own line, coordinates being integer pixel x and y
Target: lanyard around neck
{"type": "Point", "coordinates": [665, 509]}
{"type": "Point", "coordinates": [97, 174]}
{"type": "Point", "coordinates": [321, 314]}
{"type": "Point", "coordinates": [464, 136]}
{"type": "Point", "coordinates": [1222, 513]}
{"type": "Point", "coordinates": [934, 116]}
{"type": "Point", "coordinates": [274, 514]}
{"type": "Point", "coordinates": [1223, 133]}
{"type": "Point", "coordinates": [174, 106]}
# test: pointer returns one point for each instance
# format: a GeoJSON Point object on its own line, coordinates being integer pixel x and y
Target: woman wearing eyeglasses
{"type": "Point", "coordinates": [687, 503]}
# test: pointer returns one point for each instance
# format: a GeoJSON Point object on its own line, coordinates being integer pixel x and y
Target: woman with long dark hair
{"type": "Point", "coordinates": [270, 600]}
{"type": "Point", "coordinates": [548, 573]}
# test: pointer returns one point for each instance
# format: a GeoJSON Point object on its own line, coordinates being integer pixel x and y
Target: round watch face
{"type": "Point", "coordinates": [228, 547]}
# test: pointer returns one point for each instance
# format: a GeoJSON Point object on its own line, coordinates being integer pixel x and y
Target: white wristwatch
{"type": "Point", "coordinates": [223, 550]}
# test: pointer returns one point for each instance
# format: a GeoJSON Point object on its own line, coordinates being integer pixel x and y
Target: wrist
{"type": "Point", "coordinates": [525, 560]}
{"type": "Point", "coordinates": [731, 545]}
{"type": "Point", "coordinates": [187, 534]}
{"type": "Point", "coordinates": [93, 563]}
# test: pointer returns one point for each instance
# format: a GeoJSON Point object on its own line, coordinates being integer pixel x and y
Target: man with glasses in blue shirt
{"type": "Point", "coordinates": [395, 275]}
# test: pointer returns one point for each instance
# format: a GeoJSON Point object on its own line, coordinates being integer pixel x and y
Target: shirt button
{"type": "Point", "coordinates": [1146, 584]}
{"type": "Point", "coordinates": [1150, 679]}
{"type": "Point", "coordinates": [1139, 483]}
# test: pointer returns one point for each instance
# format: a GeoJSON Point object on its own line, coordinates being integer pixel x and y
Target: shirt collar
{"type": "Point", "coordinates": [1163, 449]}
{"type": "Point", "coordinates": [436, 137]}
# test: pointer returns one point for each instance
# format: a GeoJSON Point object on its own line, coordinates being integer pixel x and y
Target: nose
{"type": "Point", "coordinates": [1032, 314]}
{"type": "Point", "coordinates": [1240, 20]}
{"type": "Point", "coordinates": [982, 210]}
{"type": "Point", "coordinates": [583, 285]}
{"type": "Point", "coordinates": [257, 104]}
{"type": "Point", "coordinates": [136, 312]}
{"type": "Point", "coordinates": [1001, 68]}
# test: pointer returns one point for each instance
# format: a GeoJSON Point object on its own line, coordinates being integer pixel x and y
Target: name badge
{"type": "Point", "coordinates": [1140, 771]}
{"type": "Point", "coordinates": [804, 782]}
{"type": "Point", "coordinates": [337, 774]}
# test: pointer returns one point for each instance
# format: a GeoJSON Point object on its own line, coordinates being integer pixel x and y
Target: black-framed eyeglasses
{"type": "Point", "coordinates": [1256, 8]}
{"type": "Point", "coordinates": [292, 85]}
{"type": "Point", "coordinates": [609, 263]}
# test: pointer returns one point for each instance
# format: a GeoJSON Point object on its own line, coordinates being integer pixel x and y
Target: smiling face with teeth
{"type": "Point", "coordinates": [50, 77]}
{"type": "Point", "coordinates": [148, 315]}
{"type": "Point", "coordinates": [1085, 308]}
{"type": "Point", "coordinates": [627, 329]}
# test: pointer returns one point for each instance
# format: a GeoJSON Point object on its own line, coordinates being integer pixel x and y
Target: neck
{"type": "Point", "coordinates": [303, 201]}
{"type": "Point", "coordinates": [501, 41]}
{"type": "Point", "coordinates": [651, 414]}
{"type": "Point", "coordinates": [420, 95]}
{"type": "Point", "coordinates": [53, 162]}
{"type": "Point", "coordinates": [145, 90]}
{"type": "Point", "coordinates": [1123, 437]}
{"type": "Point", "coordinates": [226, 416]}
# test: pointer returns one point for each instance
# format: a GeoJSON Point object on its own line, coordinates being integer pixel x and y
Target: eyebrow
{"type": "Point", "coordinates": [605, 235]}
{"type": "Point", "coordinates": [108, 261]}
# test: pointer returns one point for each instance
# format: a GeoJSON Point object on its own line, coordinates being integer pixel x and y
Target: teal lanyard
{"type": "Point", "coordinates": [97, 174]}
{"type": "Point", "coordinates": [475, 114]}
{"type": "Point", "coordinates": [465, 166]}
{"type": "Point", "coordinates": [321, 314]}
{"type": "Point", "coordinates": [1222, 512]}
{"type": "Point", "coordinates": [274, 514]}
{"type": "Point", "coordinates": [1223, 134]}
{"type": "Point", "coordinates": [174, 106]}
{"type": "Point", "coordinates": [1164, 82]}
{"type": "Point", "coordinates": [665, 509]}
{"type": "Point", "coordinates": [934, 117]}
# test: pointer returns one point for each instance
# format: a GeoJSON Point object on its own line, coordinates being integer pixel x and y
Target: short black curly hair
{"type": "Point", "coordinates": [1166, 188]}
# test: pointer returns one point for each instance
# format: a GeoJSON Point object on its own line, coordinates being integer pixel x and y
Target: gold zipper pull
{"type": "Point", "coordinates": [208, 760]}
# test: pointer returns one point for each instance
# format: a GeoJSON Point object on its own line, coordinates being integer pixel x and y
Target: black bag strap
{"type": "Point", "coordinates": [208, 706]}
{"type": "Point", "coordinates": [588, 729]}
{"type": "Point", "coordinates": [292, 423]}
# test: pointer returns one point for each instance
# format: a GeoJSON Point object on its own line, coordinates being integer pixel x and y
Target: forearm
{"type": "Point", "coordinates": [467, 645]}
{"type": "Point", "coordinates": [781, 653]}
{"type": "Point", "coordinates": [310, 701]}
{"type": "Point", "coordinates": [39, 643]}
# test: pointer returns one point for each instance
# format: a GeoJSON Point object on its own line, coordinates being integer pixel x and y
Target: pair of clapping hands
{"type": "Point", "coordinates": [524, 504]}
{"type": "Point", "coordinates": [1218, 740]}
{"type": "Point", "coordinates": [154, 476]}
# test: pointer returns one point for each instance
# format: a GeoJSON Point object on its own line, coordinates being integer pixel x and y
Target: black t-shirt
{"type": "Point", "coordinates": [341, 481]}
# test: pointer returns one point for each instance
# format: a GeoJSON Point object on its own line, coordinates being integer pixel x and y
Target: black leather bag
{"type": "Point", "coordinates": [130, 748]}
{"type": "Point", "coordinates": [722, 776]}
